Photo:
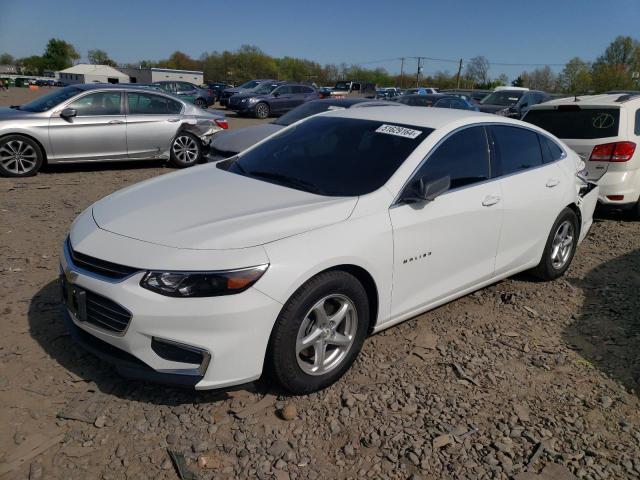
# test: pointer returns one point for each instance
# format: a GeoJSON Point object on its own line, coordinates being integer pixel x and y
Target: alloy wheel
{"type": "Point", "coordinates": [18, 157]}
{"type": "Point", "coordinates": [185, 149]}
{"type": "Point", "coordinates": [562, 244]}
{"type": "Point", "coordinates": [262, 111]}
{"type": "Point", "coordinates": [326, 334]}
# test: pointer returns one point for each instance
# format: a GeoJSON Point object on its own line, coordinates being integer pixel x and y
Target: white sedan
{"type": "Point", "coordinates": [284, 258]}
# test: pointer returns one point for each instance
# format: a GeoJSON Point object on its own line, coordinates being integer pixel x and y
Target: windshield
{"type": "Point", "coordinates": [250, 84]}
{"type": "Point", "coordinates": [305, 110]}
{"type": "Point", "coordinates": [577, 123]}
{"type": "Point", "coordinates": [266, 88]}
{"type": "Point", "coordinates": [505, 99]}
{"type": "Point", "coordinates": [50, 100]}
{"type": "Point", "coordinates": [331, 156]}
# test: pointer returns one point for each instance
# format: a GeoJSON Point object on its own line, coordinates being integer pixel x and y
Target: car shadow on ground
{"type": "Point", "coordinates": [46, 326]}
{"type": "Point", "coordinates": [606, 330]}
{"type": "Point", "coordinates": [103, 166]}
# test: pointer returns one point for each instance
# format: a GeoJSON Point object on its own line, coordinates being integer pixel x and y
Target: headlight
{"type": "Point", "coordinates": [202, 284]}
{"type": "Point", "coordinates": [253, 100]}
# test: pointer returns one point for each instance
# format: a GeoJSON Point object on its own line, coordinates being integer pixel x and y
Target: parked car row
{"type": "Point", "coordinates": [104, 122]}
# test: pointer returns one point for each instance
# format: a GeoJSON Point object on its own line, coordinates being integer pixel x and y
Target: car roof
{"type": "Point", "coordinates": [420, 117]}
{"type": "Point", "coordinates": [347, 102]}
{"type": "Point", "coordinates": [605, 99]}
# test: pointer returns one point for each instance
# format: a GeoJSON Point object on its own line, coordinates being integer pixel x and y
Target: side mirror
{"type": "Point", "coordinates": [68, 113]}
{"type": "Point", "coordinates": [426, 191]}
{"type": "Point", "coordinates": [276, 94]}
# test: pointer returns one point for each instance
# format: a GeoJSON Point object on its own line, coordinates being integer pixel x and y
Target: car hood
{"type": "Point", "coordinates": [7, 113]}
{"type": "Point", "coordinates": [487, 108]}
{"type": "Point", "coordinates": [235, 90]}
{"type": "Point", "coordinates": [209, 208]}
{"type": "Point", "coordinates": [234, 141]}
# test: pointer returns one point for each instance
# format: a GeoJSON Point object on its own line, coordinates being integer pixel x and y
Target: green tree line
{"type": "Point", "coordinates": [618, 68]}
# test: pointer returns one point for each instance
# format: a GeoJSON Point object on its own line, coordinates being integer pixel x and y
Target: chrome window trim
{"type": "Point", "coordinates": [490, 153]}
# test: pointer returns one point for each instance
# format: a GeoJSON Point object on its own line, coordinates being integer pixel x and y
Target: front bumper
{"type": "Point", "coordinates": [231, 332]}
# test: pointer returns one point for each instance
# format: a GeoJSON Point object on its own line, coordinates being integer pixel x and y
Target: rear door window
{"type": "Point", "coordinates": [517, 149]}
{"type": "Point", "coordinates": [577, 123]}
{"type": "Point", "coordinates": [636, 129]}
{"type": "Point", "coordinates": [150, 104]}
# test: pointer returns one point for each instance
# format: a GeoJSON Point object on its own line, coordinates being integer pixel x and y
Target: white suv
{"type": "Point", "coordinates": [605, 131]}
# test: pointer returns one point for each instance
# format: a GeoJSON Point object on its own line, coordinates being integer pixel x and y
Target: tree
{"type": "Point", "coordinates": [615, 67]}
{"type": "Point", "coordinates": [576, 77]}
{"type": "Point", "coordinates": [58, 55]}
{"type": "Point", "coordinates": [518, 82]}
{"type": "Point", "coordinates": [99, 57]}
{"type": "Point", "coordinates": [6, 59]}
{"type": "Point", "coordinates": [477, 71]}
{"type": "Point", "coordinates": [540, 79]}
{"type": "Point", "coordinates": [32, 65]}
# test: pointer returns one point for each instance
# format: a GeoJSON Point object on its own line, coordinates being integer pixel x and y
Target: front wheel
{"type": "Point", "coordinates": [560, 247]}
{"type": "Point", "coordinates": [318, 333]}
{"type": "Point", "coordinates": [186, 150]}
{"type": "Point", "coordinates": [19, 156]}
{"type": "Point", "coordinates": [262, 110]}
{"type": "Point", "coordinates": [200, 102]}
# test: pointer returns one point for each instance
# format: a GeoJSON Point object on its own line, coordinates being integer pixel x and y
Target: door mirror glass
{"type": "Point", "coordinates": [68, 113]}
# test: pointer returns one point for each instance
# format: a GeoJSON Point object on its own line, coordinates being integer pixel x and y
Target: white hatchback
{"type": "Point", "coordinates": [605, 131]}
{"type": "Point", "coordinates": [285, 257]}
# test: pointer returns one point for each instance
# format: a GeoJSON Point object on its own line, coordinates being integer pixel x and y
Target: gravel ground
{"type": "Point", "coordinates": [521, 380]}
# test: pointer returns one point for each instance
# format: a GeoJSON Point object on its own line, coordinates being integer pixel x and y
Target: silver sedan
{"type": "Point", "coordinates": [101, 122]}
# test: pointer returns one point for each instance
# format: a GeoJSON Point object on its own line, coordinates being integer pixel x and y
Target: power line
{"type": "Point", "coordinates": [450, 60]}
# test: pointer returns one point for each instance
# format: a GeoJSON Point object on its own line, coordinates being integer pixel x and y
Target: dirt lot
{"type": "Point", "coordinates": [519, 378]}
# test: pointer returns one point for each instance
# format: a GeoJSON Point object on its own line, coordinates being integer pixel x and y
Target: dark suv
{"type": "Point", "coordinates": [272, 98]}
{"type": "Point", "coordinates": [512, 103]}
{"type": "Point", "coordinates": [249, 86]}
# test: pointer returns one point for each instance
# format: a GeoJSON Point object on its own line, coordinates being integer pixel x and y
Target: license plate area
{"type": "Point", "coordinates": [74, 298]}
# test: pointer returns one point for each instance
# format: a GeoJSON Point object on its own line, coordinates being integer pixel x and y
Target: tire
{"type": "Point", "coordinates": [560, 248]}
{"type": "Point", "coordinates": [262, 111]}
{"type": "Point", "coordinates": [20, 156]}
{"type": "Point", "coordinates": [186, 150]}
{"type": "Point", "coordinates": [200, 102]}
{"type": "Point", "coordinates": [301, 369]}
{"type": "Point", "coordinates": [634, 213]}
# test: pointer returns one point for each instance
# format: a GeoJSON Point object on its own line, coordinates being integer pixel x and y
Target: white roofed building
{"type": "Point", "coordinates": [87, 73]}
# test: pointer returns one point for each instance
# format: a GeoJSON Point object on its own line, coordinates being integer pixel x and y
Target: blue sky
{"type": "Point", "coordinates": [516, 31]}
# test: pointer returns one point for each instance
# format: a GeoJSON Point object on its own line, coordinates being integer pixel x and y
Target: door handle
{"type": "Point", "coordinates": [490, 200]}
{"type": "Point", "coordinates": [173, 120]}
{"type": "Point", "coordinates": [116, 122]}
{"type": "Point", "coordinates": [552, 182]}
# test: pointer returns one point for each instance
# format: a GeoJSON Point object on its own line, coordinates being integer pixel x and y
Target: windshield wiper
{"type": "Point", "coordinates": [285, 180]}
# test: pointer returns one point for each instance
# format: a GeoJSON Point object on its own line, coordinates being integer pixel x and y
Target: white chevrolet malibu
{"type": "Point", "coordinates": [284, 258]}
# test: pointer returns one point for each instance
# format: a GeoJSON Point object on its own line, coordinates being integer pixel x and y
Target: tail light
{"type": "Point", "coordinates": [613, 152]}
{"type": "Point", "coordinates": [222, 124]}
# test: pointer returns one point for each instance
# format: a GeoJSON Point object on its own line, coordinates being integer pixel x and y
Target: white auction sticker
{"type": "Point", "coordinates": [398, 131]}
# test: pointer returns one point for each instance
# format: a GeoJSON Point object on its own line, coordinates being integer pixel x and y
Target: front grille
{"type": "Point", "coordinates": [100, 267]}
{"type": "Point", "coordinates": [105, 313]}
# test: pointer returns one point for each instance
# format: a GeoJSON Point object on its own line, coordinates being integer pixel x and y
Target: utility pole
{"type": "Point", "coordinates": [458, 75]}
{"type": "Point", "coordinates": [418, 72]}
{"type": "Point", "coordinates": [401, 72]}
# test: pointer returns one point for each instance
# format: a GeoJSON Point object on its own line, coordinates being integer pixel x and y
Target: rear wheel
{"type": "Point", "coordinates": [262, 110]}
{"type": "Point", "coordinates": [200, 102]}
{"type": "Point", "coordinates": [186, 150]}
{"type": "Point", "coordinates": [560, 248]}
{"type": "Point", "coordinates": [318, 333]}
{"type": "Point", "coordinates": [19, 156]}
